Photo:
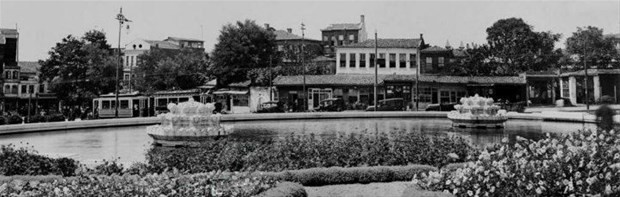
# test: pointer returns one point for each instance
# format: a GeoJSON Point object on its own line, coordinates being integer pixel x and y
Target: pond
{"type": "Point", "coordinates": [129, 144]}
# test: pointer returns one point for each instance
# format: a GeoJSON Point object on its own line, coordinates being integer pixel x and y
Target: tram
{"type": "Point", "coordinates": [138, 105]}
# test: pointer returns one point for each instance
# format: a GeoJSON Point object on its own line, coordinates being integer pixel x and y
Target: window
{"type": "Point", "coordinates": [402, 60]}
{"type": "Point", "coordinates": [381, 60]}
{"type": "Point", "coordinates": [444, 97]}
{"type": "Point", "coordinates": [429, 64]}
{"type": "Point", "coordinates": [372, 60]}
{"type": "Point", "coordinates": [42, 88]}
{"type": "Point", "coordinates": [440, 61]}
{"type": "Point", "coordinates": [362, 60]}
{"type": "Point", "coordinates": [392, 60]}
{"type": "Point", "coordinates": [324, 38]}
{"type": "Point", "coordinates": [24, 88]}
{"type": "Point", "coordinates": [427, 95]}
{"type": "Point", "coordinates": [132, 61]}
{"type": "Point", "coordinates": [126, 76]}
{"type": "Point", "coordinates": [124, 104]}
{"type": "Point", "coordinates": [341, 37]}
{"type": "Point", "coordinates": [126, 60]}
{"type": "Point", "coordinates": [343, 60]}
{"type": "Point", "coordinates": [7, 89]}
{"type": "Point", "coordinates": [14, 89]}
{"type": "Point", "coordinates": [7, 75]}
{"type": "Point", "coordinates": [31, 89]}
{"type": "Point", "coordinates": [565, 89]}
{"type": "Point", "coordinates": [351, 60]}
{"type": "Point", "coordinates": [352, 38]}
{"type": "Point", "coordinates": [15, 75]}
{"type": "Point", "coordinates": [240, 100]}
{"type": "Point", "coordinates": [413, 61]}
{"type": "Point", "coordinates": [105, 104]}
{"type": "Point", "coordinates": [429, 60]}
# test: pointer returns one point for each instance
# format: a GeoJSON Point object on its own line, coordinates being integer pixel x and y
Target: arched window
{"type": "Point", "coordinates": [14, 89]}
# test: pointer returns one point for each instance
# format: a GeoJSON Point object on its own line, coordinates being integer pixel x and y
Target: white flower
{"type": "Point", "coordinates": [538, 191]}
{"type": "Point", "coordinates": [470, 193]}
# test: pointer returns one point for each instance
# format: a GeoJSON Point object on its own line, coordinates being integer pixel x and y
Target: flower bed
{"type": "Point", "coordinates": [577, 164]}
{"type": "Point", "coordinates": [309, 151]}
{"type": "Point", "coordinates": [24, 161]}
{"type": "Point", "coordinates": [166, 184]}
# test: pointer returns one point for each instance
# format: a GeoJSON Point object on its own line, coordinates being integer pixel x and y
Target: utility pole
{"type": "Point", "coordinates": [270, 78]}
{"type": "Point", "coordinates": [121, 19]}
{"type": "Point", "coordinates": [376, 71]}
{"type": "Point", "coordinates": [585, 66]}
{"type": "Point", "coordinates": [303, 28]}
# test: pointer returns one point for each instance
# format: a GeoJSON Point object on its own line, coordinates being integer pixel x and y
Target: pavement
{"type": "Point", "coordinates": [576, 108]}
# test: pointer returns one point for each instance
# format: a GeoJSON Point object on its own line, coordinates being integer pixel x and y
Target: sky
{"type": "Point", "coordinates": [42, 24]}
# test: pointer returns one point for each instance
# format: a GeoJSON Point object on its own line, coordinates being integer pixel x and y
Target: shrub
{"type": "Point", "coordinates": [3, 120]}
{"type": "Point", "coordinates": [166, 184]}
{"type": "Point", "coordinates": [285, 189]}
{"type": "Point", "coordinates": [308, 151]}
{"type": "Point", "coordinates": [15, 119]}
{"type": "Point", "coordinates": [339, 175]}
{"type": "Point", "coordinates": [55, 118]}
{"type": "Point", "coordinates": [577, 164]}
{"type": "Point", "coordinates": [37, 118]}
{"type": "Point", "coordinates": [22, 161]}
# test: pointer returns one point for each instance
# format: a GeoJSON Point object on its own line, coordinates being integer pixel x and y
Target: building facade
{"type": "Point", "coordinates": [341, 34]}
{"type": "Point", "coordinates": [601, 82]}
{"type": "Point", "coordinates": [394, 56]}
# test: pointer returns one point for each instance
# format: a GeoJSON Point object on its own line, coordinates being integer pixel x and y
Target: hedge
{"type": "Point", "coordinates": [23, 161]}
{"type": "Point", "coordinates": [3, 120]}
{"type": "Point", "coordinates": [339, 175]}
{"type": "Point", "coordinates": [15, 119]}
{"type": "Point", "coordinates": [285, 189]}
{"type": "Point", "coordinates": [37, 118]}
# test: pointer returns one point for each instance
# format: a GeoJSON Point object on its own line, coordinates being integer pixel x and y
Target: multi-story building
{"type": "Point", "coordinates": [8, 61]}
{"type": "Point", "coordinates": [394, 56]}
{"type": "Point", "coordinates": [140, 46]}
{"type": "Point", "coordinates": [341, 34]}
{"type": "Point", "coordinates": [289, 45]}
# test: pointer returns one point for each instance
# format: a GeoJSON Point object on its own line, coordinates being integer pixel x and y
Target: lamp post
{"type": "Point", "coordinates": [303, 28]}
{"type": "Point", "coordinates": [121, 19]}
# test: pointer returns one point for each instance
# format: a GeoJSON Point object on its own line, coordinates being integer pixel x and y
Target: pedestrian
{"type": "Point", "coordinates": [605, 115]}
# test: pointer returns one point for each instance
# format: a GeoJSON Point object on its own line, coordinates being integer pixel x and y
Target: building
{"type": "Point", "coordinates": [137, 47]}
{"type": "Point", "coordinates": [9, 39]}
{"type": "Point", "coordinates": [23, 89]}
{"type": "Point", "coordinates": [341, 34]}
{"type": "Point", "coordinates": [601, 82]}
{"type": "Point", "coordinates": [394, 56]}
{"type": "Point", "coordinates": [290, 44]}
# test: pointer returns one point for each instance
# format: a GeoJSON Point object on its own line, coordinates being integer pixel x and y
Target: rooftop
{"type": "Point", "coordinates": [386, 43]}
{"type": "Point", "coordinates": [5, 31]}
{"type": "Point", "coordinates": [183, 39]}
{"type": "Point", "coordinates": [435, 49]}
{"type": "Point", "coordinates": [297, 80]}
{"type": "Point", "coordinates": [369, 80]}
{"type": "Point", "coordinates": [591, 72]}
{"type": "Point", "coordinates": [285, 35]}
{"type": "Point", "coordinates": [29, 67]}
{"type": "Point", "coordinates": [459, 79]}
{"type": "Point", "coordinates": [343, 26]}
{"type": "Point", "coordinates": [162, 44]}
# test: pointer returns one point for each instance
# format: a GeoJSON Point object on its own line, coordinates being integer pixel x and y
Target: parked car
{"type": "Point", "coordinates": [441, 107]}
{"type": "Point", "coordinates": [270, 107]}
{"type": "Point", "coordinates": [393, 104]}
{"type": "Point", "coordinates": [332, 104]}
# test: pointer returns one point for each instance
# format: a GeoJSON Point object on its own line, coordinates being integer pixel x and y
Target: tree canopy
{"type": "Point", "coordinates": [166, 69]}
{"type": "Point", "coordinates": [590, 42]}
{"type": "Point", "coordinates": [240, 48]}
{"type": "Point", "coordinates": [80, 69]}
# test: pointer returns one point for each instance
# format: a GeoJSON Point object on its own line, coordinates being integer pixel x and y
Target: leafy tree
{"type": "Point", "coordinates": [241, 48]}
{"type": "Point", "coordinates": [165, 69]}
{"type": "Point", "coordinates": [515, 47]}
{"type": "Point", "coordinates": [590, 43]}
{"type": "Point", "coordinates": [80, 69]}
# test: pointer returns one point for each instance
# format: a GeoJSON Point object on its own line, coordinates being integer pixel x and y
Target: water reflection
{"type": "Point", "coordinates": [130, 143]}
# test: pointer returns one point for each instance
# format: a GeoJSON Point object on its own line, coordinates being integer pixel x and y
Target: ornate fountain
{"type": "Point", "coordinates": [187, 124]}
{"type": "Point", "coordinates": [477, 112]}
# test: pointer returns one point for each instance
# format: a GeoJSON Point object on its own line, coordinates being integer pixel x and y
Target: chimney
{"type": "Point", "coordinates": [362, 18]}
{"type": "Point", "coordinates": [421, 36]}
{"type": "Point", "coordinates": [448, 46]}
{"type": "Point", "coordinates": [467, 46]}
{"type": "Point", "coordinates": [289, 30]}
{"type": "Point", "coordinates": [267, 26]}
{"type": "Point", "coordinates": [462, 46]}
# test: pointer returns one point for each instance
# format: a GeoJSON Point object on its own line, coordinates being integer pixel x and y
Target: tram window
{"type": "Point", "coordinates": [124, 104]}
{"type": "Point", "coordinates": [174, 100]}
{"type": "Point", "coordinates": [113, 105]}
{"type": "Point", "coordinates": [161, 102]}
{"type": "Point", "coordinates": [105, 104]}
{"type": "Point", "coordinates": [183, 99]}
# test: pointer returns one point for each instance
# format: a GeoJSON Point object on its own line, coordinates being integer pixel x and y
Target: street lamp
{"type": "Point", "coordinates": [303, 27]}
{"type": "Point", "coordinates": [121, 19]}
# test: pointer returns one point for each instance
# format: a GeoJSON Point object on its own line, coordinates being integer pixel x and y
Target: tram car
{"type": "Point", "coordinates": [138, 105]}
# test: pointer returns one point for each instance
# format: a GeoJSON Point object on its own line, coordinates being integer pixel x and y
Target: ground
{"type": "Point", "coordinates": [391, 189]}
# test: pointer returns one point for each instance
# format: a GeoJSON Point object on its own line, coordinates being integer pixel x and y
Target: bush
{"type": "Point", "coordinates": [55, 118]}
{"type": "Point", "coordinates": [37, 118]}
{"type": "Point", "coordinates": [22, 161]}
{"type": "Point", "coordinates": [302, 152]}
{"type": "Point", "coordinates": [577, 164]}
{"type": "Point", "coordinates": [3, 120]}
{"type": "Point", "coordinates": [166, 184]}
{"type": "Point", "coordinates": [339, 175]}
{"type": "Point", "coordinates": [285, 189]}
{"type": "Point", "coordinates": [15, 119]}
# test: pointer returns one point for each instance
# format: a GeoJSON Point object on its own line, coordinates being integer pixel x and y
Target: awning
{"type": "Point", "coordinates": [231, 92]}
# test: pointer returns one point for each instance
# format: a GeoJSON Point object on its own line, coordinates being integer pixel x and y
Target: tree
{"type": "Point", "coordinates": [590, 43]}
{"type": "Point", "coordinates": [80, 69]}
{"type": "Point", "coordinates": [241, 48]}
{"type": "Point", "coordinates": [166, 69]}
{"type": "Point", "coordinates": [515, 47]}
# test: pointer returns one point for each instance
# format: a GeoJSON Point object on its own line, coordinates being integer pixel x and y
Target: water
{"type": "Point", "coordinates": [90, 146]}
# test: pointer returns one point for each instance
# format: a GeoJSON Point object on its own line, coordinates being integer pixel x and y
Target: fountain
{"type": "Point", "coordinates": [477, 112]}
{"type": "Point", "coordinates": [187, 124]}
